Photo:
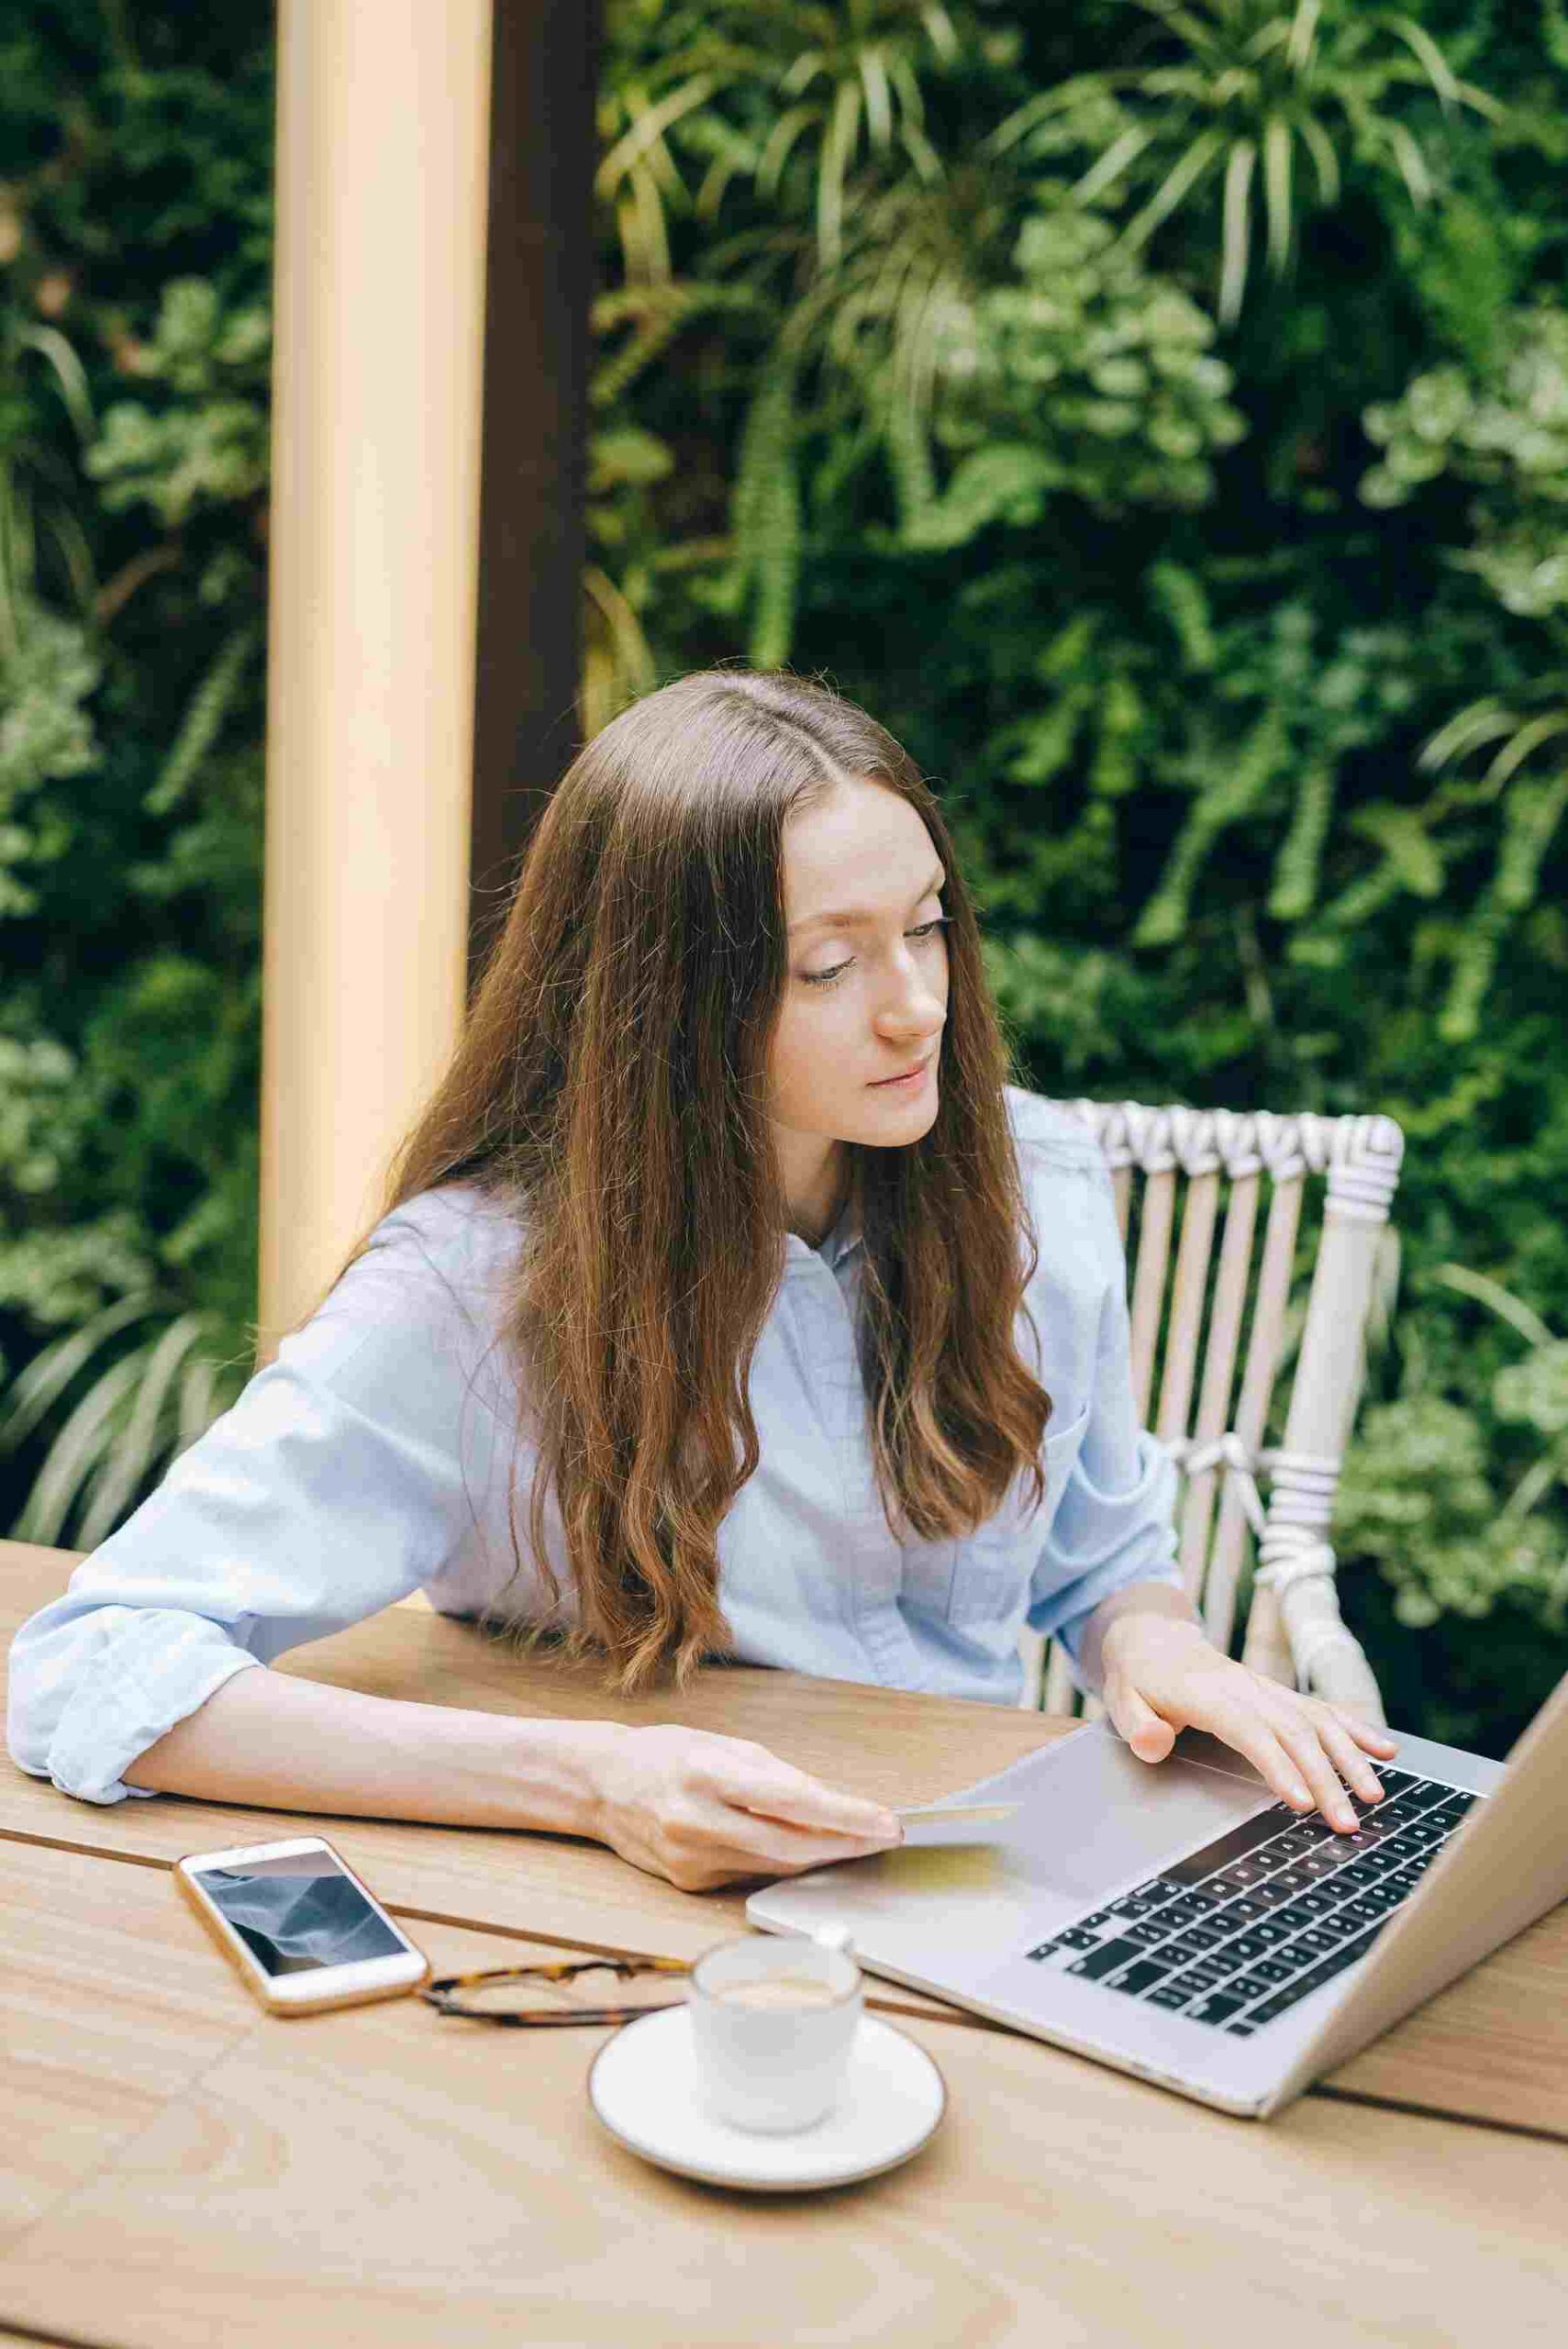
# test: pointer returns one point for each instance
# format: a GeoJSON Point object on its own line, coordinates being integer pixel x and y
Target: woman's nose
{"type": "Point", "coordinates": [917, 1009]}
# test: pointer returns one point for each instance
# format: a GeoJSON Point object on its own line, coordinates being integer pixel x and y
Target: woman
{"type": "Point", "coordinates": [725, 1247]}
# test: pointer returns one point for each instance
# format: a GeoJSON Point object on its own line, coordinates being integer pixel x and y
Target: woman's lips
{"type": "Point", "coordinates": [911, 1078]}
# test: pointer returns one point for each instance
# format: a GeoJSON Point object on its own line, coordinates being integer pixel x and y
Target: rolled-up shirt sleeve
{"type": "Point", "coordinates": [334, 1486]}
{"type": "Point", "coordinates": [1115, 1522]}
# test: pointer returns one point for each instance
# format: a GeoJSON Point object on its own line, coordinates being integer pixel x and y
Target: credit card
{"type": "Point", "coordinates": [932, 1825]}
{"type": "Point", "coordinates": [957, 1810]}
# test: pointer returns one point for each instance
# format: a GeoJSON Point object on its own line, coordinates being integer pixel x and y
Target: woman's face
{"type": "Point", "coordinates": [867, 986]}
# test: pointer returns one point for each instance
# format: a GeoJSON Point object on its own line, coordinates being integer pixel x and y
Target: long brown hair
{"type": "Point", "coordinates": [610, 1088]}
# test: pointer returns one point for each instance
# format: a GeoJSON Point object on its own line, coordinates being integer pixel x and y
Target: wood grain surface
{"type": "Point", "coordinates": [389, 2176]}
{"type": "Point", "coordinates": [1493, 2047]}
{"type": "Point", "coordinates": [109, 2010]}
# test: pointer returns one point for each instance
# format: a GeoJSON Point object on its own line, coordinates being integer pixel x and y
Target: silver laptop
{"type": "Point", "coordinates": [1179, 1922]}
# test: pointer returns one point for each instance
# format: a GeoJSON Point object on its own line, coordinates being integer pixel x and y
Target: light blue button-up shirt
{"type": "Point", "coordinates": [372, 1458]}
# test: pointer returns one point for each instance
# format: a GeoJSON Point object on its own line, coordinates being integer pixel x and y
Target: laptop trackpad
{"type": "Point", "coordinates": [1096, 1814]}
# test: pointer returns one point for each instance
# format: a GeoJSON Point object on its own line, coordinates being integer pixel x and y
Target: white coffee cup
{"type": "Point", "coordinates": [773, 2019]}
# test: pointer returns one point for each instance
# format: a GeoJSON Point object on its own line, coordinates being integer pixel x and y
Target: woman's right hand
{"type": "Point", "coordinates": [705, 1810]}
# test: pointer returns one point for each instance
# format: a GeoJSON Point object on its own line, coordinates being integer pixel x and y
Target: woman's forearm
{"type": "Point", "coordinates": [281, 1744]}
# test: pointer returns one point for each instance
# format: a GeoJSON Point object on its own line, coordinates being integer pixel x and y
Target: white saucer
{"type": "Point", "coordinates": [644, 2088]}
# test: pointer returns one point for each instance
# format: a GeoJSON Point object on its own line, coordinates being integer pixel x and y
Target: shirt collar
{"type": "Point", "coordinates": [846, 1233]}
{"type": "Point", "coordinates": [840, 1242]}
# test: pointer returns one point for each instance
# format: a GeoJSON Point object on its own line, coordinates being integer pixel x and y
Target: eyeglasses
{"type": "Point", "coordinates": [495, 1995]}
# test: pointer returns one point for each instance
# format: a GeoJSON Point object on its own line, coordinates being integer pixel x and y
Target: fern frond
{"type": "Point", "coordinates": [203, 721]}
{"type": "Point", "coordinates": [36, 1390]}
{"type": "Point", "coordinates": [1294, 888]}
{"type": "Point", "coordinates": [125, 1469]}
{"type": "Point", "coordinates": [76, 1453]}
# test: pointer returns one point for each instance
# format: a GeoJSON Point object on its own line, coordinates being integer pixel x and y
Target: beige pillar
{"type": "Point", "coordinates": [382, 166]}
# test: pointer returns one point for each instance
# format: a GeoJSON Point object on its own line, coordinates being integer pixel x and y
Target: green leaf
{"type": "Point", "coordinates": [1237, 229]}
{"type": "Point", "coordinates": [77, 1454]}
{"type": "Point", "coordinates": [1000, 483]}
{"type": "Point", "coordinates": [34, 1393]}
{"type": "Point", "coordinates": [125, 1470]}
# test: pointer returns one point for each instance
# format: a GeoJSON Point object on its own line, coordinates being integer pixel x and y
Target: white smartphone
{"type": "Point", "coordinates": [298, 1927]}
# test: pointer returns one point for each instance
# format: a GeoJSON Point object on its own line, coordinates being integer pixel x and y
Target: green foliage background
{"type": "Point", "coordinates": [1157, 415]}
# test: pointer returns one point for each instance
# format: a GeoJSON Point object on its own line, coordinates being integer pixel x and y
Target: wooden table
{"type": "Point", "coordinates": [180, 2168]}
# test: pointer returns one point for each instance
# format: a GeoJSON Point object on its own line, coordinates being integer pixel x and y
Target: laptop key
{"type": "Point", "coordinates": [1243, 1876]}
{"type": "Point", "coordinates": [1196, 1941]}
{"type": "Point", "coordinates": [1250, 1945]}
{"type": "Point", "coordinates": [1273, 1897]}
{"type": "Point", "coordinates": [1141, 1977]}
{"type": "Point", "coordinates": [1250, 1985]}
{"type": "Point", "coordinates": [1243, 1912]}
{"type": "Point", "coordinates": [1273, 2007]}
{"type": "Point", "coordinates": [1077, 1938]}
{"type": "Point", "coordinates": [1168, 1994]}
{"type": "Point", "coordinates": [1097, 1963]}
{"type": "Point", "coordinates": [1317, 1941]}
{"type": "Point", "coordinates": [1204, 1977]}
{"type": "Point", "coordinates": [1363, 1875]}
{"type": "Point", "coordinates": [1146, 1935]}
{"type": "Point", "coordinates": [1268, 1930]}
{"type": "Point", "coordinates": [1317, 1865]}
{"type": "Point", "coordinates": [1285, 1882]}
{"type": "Point", "coordinates": [1307, 1909]}
{"type": "Point", "coordinates": [1404, 1808]}
{"type": "Point", "coordinates": [1271, 1970]}
{"type": "Point", "coordinates": [1217, 2007]}
{"type": "Point", "coordinates": [1189, 1909]}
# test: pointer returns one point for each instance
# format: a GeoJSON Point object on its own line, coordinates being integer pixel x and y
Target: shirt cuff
{"type": "Point", "coordinates": [1128, 1537]}
{"type": "Point", "coordinates": [146, 1676]}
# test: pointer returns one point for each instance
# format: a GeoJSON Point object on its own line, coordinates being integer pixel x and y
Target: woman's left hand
{"type": "Point", "coordinates": [1160, 1674]}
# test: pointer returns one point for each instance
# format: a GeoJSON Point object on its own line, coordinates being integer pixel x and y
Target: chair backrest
{"type": "Point", "coordinates": [1223, 1315]}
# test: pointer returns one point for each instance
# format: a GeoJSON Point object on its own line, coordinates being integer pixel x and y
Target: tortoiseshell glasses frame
{"type": "Point", "coordinates": [448, 1995]}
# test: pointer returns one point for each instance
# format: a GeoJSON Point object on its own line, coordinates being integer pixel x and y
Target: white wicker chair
{"type": "Point", "coordinates": [1293, 1632]}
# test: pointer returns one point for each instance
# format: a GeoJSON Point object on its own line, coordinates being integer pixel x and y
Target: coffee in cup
{"type": "Point", "coordinates": [778, 1990]}
{"type": "Point", "coordinates": [773, 2020]}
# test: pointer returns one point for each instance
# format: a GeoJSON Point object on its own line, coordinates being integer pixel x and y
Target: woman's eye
{"type": "Point", "coordinates": [927, 931]}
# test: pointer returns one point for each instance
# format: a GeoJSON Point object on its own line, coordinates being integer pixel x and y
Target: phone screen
{"type": "Point", "coordinates": [299, 1912]}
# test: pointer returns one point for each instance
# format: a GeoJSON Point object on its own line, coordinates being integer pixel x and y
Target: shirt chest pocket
{"type": "Point", "coordinates": [991, 1571]}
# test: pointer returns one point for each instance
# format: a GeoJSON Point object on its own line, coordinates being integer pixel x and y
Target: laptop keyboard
{"type": "Point", "coordinates": [1236, 1933]}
